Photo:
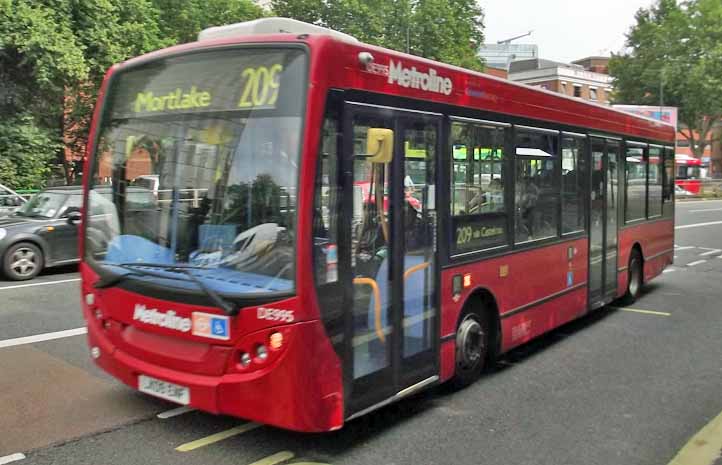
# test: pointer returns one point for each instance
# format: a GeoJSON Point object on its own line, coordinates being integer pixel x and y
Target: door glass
{"type": "Point", "coordinates": [596, 233]}
{"type": "Point", "coordinates": [612, 201]}
{"type": "Point", "coordinates": [419, 216]}
{"type": "Point", "coordinates": [370, 254]}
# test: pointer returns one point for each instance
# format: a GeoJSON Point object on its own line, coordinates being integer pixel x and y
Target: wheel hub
{"type": "Point", "coordinates": [469, 343]}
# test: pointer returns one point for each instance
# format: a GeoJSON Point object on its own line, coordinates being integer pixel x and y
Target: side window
{"type": "Point", "coordinates": [635, 180]}
{"type": "Point", "coordinates": [655, 173]}
{"type": "Point", "coordinates": [574, 180]}
{"type": "Point", "coordinates": [325, 234]}
{"type": "Point", "coordinates": [478, 180]}
{"type": "Point", "coordinates": [536, 198]}
{"type": "Point", "coordinates": [74, 202]}
{"type": "Point", "coordinates": [668, 183]}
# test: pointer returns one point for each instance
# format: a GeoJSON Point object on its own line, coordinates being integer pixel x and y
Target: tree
{"type": "Point", "coordinates": [54, 54]}
{"type": "Point", "coordinates": [181, 22]}
{"type": "Point", "coordinates": [445, 30]}
{"type": "Point", "coordinates": [674, 58]}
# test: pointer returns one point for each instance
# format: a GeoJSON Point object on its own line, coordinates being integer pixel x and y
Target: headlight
{"type": "Point", "coordinates": [3, 233]}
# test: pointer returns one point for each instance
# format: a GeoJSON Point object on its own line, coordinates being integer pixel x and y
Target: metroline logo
{"type": "Point", "coordinates": [411, 78]}
{"type": "Point", "coordinates": [169, 319]}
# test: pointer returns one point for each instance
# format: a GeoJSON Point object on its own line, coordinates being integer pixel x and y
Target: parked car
{"type": "Point", "coordinates": [43, 232]}
{"type": "Point", "coordinates": [9, 200]}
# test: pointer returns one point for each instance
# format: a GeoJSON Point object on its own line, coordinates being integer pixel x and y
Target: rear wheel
{"type": "Point", "coordinates": [472, 348]}
{"type": "Point", "coordinates": [636, 278]}
{"type": "Point", "coordinates": [22, 261]}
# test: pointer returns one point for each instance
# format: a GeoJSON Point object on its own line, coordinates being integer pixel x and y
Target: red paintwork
{"type": "Point", "coordinates": [300, 387]}
{"type": "Point", "coordinates": [532, 275]}
{"type": "Point", "coordinates": [657, 243]}
{"type": "Point", "coordinates": [693, 186]}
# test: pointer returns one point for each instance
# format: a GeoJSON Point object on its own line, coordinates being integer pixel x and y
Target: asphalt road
{"type": "Point", "coordinates": [617, 387]}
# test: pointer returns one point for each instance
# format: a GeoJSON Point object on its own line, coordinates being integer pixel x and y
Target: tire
{"type": "Point", "coordinates": [23, 261]}
{"type": "Point", "coordinates": [636, 278]}
{"type": "Point", "coordinates": [472, 348]}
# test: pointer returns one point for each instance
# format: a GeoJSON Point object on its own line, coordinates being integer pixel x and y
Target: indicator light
{"type": "Point", "coordinates": [95, 353]}
{"type": "Point", "coordinates": [467, 280]}
{"type": "Point", "coordinates": [50, 228]}
{"type": "Point", "coordinates": [275, 341]}
{"type": "Point", "coordinates": [261, 352]}
{"type": "Point", "coordinates": [245, 359]}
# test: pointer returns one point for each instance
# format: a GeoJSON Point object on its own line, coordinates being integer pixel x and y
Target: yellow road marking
{"type": "Point", "coordinates": [213, 438]}
{"type": "Point", "coordinates": [276, 458]}
{"type": "Point", "coordinates": [704, 448]}
{"type": "Point", "coordinates": [646, 312]}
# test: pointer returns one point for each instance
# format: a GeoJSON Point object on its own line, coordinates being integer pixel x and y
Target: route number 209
{"type": "Point", "coordinates": [260, 86]}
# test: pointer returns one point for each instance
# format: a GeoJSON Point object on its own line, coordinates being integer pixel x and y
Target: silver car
{"type": "Point", "coordinates": [9, 200]}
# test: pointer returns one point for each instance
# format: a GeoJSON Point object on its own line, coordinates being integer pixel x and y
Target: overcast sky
{"type": "Point", "coordinates": [564, 30]}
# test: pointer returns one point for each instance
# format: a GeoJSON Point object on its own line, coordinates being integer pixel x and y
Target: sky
{"type": "Point", "coordinates": [564, 30]}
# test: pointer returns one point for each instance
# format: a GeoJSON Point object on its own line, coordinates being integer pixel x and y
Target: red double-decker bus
{"type": "Point", "coordinates": [343, 225]}
{"type": "Point", "coordinates": [688, 173]}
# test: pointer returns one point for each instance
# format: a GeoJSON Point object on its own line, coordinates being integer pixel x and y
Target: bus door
{"type": "Point", "coordinates": [390, 270]}
{"type": "Point", "coordinates": [604, 203]}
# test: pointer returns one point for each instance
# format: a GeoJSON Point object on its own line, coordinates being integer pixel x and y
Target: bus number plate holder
{"type": "Point", "coordinates": [164, 390]}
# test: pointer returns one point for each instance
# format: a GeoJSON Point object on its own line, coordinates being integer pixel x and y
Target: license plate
{"type": "Point", "coordinates": [164, 390]}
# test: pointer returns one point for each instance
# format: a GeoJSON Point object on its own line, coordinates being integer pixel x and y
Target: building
{"type": "Point", "coordinates": [594, 64]}
{"type": "Point", "coordinates": [569, 79]}
{"type": "Point", "coordinates": [500, 56]}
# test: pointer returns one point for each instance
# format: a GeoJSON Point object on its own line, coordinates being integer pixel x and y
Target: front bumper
{"type": "Point", "coordinates": [302, 390]}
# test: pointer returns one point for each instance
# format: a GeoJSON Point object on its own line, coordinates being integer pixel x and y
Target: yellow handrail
{"type": "Point", "coordinates": [377, 305]}
{"type": "Point", "coordinates": [415, 268]}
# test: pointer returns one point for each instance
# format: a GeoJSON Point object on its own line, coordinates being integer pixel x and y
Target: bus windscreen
{"type": "Point", "coordinates": [213, 139]}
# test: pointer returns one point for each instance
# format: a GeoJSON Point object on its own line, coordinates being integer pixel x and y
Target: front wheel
{"type": "Point", "coordinates": [636, 278]}
{"type": "Point", "coordinates": [472, 348]}
{"type": "Point", "coordinates": [22, 261]}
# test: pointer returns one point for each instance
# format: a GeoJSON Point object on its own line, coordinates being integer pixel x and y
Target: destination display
{"type": "Point", "coordinates": [476, 232]}
{"type": "Point", "coordinates": [228, 80]}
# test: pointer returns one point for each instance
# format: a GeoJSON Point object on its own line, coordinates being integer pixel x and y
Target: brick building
{"type": "Point", "coordinates": [569, 79]}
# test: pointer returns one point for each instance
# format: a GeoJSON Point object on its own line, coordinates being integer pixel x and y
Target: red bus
{"type": "Point", "coordinates": [688, 173]}
{"type": "Point", "coordinates": [300, 287]}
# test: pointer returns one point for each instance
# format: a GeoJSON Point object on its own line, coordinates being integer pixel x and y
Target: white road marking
{"type": "Point", "coordinates": [61, 281]}
{"type": "Point", "coordinates": [19, 341]}
{"type": "Point", "coordinates": [11, 458]}
{"type": "Point", "coordinates": [707, 210]}
{"type": "Point", "coordinates": [669, 270]}
{"type": "Point", "coordinates": [698, 225]}
{"type": "Point", "coordinates": [677, 247]}
{"type": "Point", "coordinates": [711, 252]}
{"type": "Point", "coordinates": [175, 412]}
{"type": "Point", "coordinates": [698, 262]}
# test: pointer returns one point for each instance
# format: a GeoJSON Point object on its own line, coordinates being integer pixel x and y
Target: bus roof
{"type": "Point", "coordinates": [340, 61]}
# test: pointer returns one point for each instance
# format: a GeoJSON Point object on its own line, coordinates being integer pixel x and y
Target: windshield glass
{"type": "Point", "coordinates": [43, 205]}
{"type": "Point", "coordinates": [197, 165]}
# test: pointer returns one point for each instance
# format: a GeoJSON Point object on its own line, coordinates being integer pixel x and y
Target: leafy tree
{"type": "Point", "coordinates": [54, 53]}
{"type": "Point", "coordinates": [26, 152]}
{"type": "Point", "coordinates": [446, 30]}
{"type": "Point", "coordinates": [674, 58]}
{"type": "Point", "coordinates": [181, 21]}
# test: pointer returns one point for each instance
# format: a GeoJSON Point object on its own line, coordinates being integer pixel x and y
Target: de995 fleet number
{"type": "Point", "coordinates": [274, 314]}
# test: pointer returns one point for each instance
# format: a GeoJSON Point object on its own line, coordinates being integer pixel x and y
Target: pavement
{"type": "Point", "coordinates": [627, 386]}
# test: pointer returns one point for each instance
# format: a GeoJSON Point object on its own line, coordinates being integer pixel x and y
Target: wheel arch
{"type": "Point", "coordinates": [32, 239]}
{"type": "Point", "coordinates": [484, 299]}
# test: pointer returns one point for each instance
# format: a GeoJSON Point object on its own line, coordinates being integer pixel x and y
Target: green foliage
{"type": "Point", "coordinates": [181, 21]}
{"type": "Point", "coordinates": [26, 150]}
{"type": "Point", "coordinates": [450, 31]}
{"type": "Point", "coordinates": [54, 53]}
{"type": "Point", "coordinates": [675, 58]}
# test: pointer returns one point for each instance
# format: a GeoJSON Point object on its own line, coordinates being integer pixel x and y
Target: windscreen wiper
{"type": "Point", "coordinates": [136, 269]}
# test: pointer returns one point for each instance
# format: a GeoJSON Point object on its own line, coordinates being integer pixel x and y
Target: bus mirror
{"type": "Point", "coordinates": [379, 145]}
